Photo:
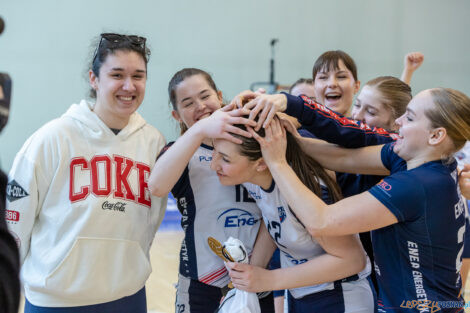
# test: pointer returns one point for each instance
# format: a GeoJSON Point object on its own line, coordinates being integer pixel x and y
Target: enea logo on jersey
{"type": "Point", "coordinates": [282, 213]}
{"type": "Point", "coordinates": [237, 218]}
{"type": "Point", "coordinates": [384, 185]}
{"type": "Point", "coordinates": [15, 191]}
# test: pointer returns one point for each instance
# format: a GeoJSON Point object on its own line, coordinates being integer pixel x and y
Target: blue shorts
{"type": "Point", "coordinates": [137, 303]}
{"type": "Point", "coordinates": [192, 296]}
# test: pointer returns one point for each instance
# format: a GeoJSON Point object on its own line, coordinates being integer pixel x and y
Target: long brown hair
{"type": "Point", "coordinates": [309, 171]}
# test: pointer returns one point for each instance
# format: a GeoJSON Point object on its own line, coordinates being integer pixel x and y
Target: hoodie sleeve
{"type": "Point", "coordinates": [333, 127]}
{"type": "Point", "coordinates": [25, 191]}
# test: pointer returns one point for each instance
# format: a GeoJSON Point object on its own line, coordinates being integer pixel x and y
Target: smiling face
{"type": "Point", "coordinates": [232, 168]}
{"type": "Point", "coordinates": [195, 100]}
{"type": "Point", "coordinates": [335, 88]}
{"type": "Point", "coordinates": [120, 87]}
{"type": "Point", "coordinates": [370, 109]}
{"type": "Point", "coordinates": [415, 129]}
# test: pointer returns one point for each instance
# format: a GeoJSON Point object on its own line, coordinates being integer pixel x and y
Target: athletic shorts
{"type": "Point", "coordinates": [347, 297]}
{"type": "Point", "coordinates": [137, 303]}
{"type": "Point", "coordinates": [192, 296]}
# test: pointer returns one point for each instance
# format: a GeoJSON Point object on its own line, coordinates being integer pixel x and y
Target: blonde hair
{"type": "Point", "coordinates": [394, 94]}
{"type": "Point", "coordinates": [451, 110]}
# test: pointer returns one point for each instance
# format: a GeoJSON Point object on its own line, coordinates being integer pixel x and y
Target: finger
{"type": "Point", "coordinates": [254, 112]}
{"type": "Point", "coordinates": [269, 118]}
{"type": "Point", "coordinates": [255, 135]}
{"type": "Point", "coordinates": [238, 131]}
{"type": "Point", "coordinates": [262, 117]}
{"type": "Point", "coordinates": [261, 90]}
{"type": "Point", "coordinates": [239, 112]}
{"type": "Point", "coordinates": [228, 107]}
{"type": "Point", "coordinates": [240, 120]}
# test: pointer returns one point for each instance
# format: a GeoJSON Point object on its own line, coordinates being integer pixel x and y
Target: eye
{"type": "Point", "coordinates": [138, 77]}
{"type": "Point", "coordinates": [187, 104]}
{"type": "Point", "coordinates": [322, 77]}
{"type": "Point", "coordinates": [225, 160]}
{"type": "Point", "coordinates": [116, 75]}
{"type": "Point", "coordinates": [342, 76]}
{"type": "Point", "coordinates": [205, 97]}
{"type": "Point", "coordinates": [372, 112]}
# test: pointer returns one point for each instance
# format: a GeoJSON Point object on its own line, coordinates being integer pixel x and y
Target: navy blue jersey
{"type": "Point", "coordinates": [333, 127]}
{"type": "Point", "coordinates": [419, 257]}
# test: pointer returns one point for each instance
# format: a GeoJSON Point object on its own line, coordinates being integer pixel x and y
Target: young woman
{"type": "Point", "coordinates": [335, 81]}
{"type": "Point", "coordinates": [322, 273]}
{"type": "Point", "coordinates": [85, 218]}
{"type": "Point", "coordinates": [208, 208]}
{"type": "Point", "coordinates": [407, 211]}
{"type": "Point", "coordinates": [303, 86]}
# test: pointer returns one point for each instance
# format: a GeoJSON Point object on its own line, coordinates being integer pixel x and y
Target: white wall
{"type": "Point", "coordinates": [46, 45]}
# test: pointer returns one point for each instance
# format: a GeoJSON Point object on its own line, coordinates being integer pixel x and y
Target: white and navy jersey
{"type": "Point", "coordinates": [296, 244]}
{"type": "Point", "coordinates": [210, 209]}
{"type": "Point", "coordinates": [419, 258]}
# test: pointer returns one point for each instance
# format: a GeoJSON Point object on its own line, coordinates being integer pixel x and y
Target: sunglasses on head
{"type": "Point", "coordinates": [116, 39]}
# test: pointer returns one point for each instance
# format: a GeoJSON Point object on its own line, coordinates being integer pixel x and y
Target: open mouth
{"type": "Point", "coordinates": [333, 96]}
{"type": "Point", "coordinates": [200, 117]}
{"type": "Point", "coordinates": [126, 98]}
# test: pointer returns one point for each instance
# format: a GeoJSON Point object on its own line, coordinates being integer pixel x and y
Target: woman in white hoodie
{"type": "Point", "coordinates": [78, 186]}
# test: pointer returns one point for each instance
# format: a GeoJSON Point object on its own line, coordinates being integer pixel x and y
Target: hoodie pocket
{"type": "Point", "coordinates": [98, 269]}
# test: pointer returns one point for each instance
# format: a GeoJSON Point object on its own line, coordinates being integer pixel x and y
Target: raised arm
{"type": "Point", "coordinates": [318, 119]}
{"type": "Point", "coordinates": [413, 61]}
{"type": "Point", "coordinates": [348, 216]}
{"type": "Point", "coordinates": [365, 160]}
{"type": "Point", "coordinates": [172, 162]}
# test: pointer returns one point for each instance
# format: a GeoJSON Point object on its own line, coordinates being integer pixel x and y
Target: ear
{"type": "Point", "coordinates": [357, 86]}
{"type": "Point", "coordinates": [176, 115]}
{"type": "Point", "coordinates": [219, 95]}
{"type": "Point", "coordinates": [437, 136]}
{"type": "Point", "coordinates": [93, 80]}
{"type": "Point", "coordinates": [261, 165]}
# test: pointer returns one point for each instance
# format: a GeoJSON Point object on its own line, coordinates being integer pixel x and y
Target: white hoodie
{"type": "Point", "coordinates": [81, 212]}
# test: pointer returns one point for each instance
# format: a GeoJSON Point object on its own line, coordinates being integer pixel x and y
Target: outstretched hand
{"type": "Point", "coordinates": [220, 124]}
{"type": "Point", "coordinates": [273, 144]}
{"type": "Point", "coordinates": [248, 277]}
{"type": "Point", "coordinates": [266, 107]}
{"type": "Point", "coordinates": [244, 97]}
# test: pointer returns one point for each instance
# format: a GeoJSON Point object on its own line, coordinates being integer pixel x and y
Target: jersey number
{"type": "Point", "coordinates": [241, 195]}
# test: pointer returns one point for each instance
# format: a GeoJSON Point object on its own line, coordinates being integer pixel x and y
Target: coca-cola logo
{"type": "Point", "coordinates": [117, 206]}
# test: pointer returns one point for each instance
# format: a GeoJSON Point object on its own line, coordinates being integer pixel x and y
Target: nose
{"type": "Point", "coordinates": [358, 115]}
{"type": "Point", "coordinates": [332, 81]}
{"type": "Point", "coordinates": [129, 84]}
{"type": "Point", "coordinates": [200, 105]}
{"type": "Point", "coordinates": [399, 120]}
